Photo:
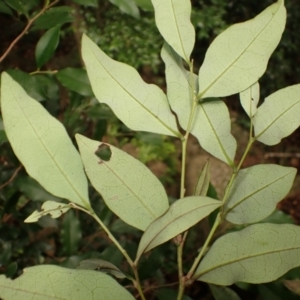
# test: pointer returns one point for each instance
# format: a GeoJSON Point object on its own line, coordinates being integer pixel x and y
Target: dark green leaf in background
{"type": "Point", "coordinates": [92, 3]}
{"type": "Point", "coordinates": [127, 6]}
{"type": "Point", "coordinates": [54, 17]}
{"type": "Point", "coordinates": [46, 46]}
{"type": "Point", "coordinates": [70, 233]}
{"type": "Point", "coordinates": [75, 80]}
{"type": "Point", "coordinates": [5, 9]}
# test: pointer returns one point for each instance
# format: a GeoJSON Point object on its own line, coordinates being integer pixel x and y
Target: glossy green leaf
{"type": "Point", "coordinates": [182, 214]}
{"type": "Point", "coordinates": [100, 265]}
{"type": "Point", "coordinates": [42, 144]}
{"type": "Point", "coordinates": [139, 105]}
{"type": "Point", "coordinates": [249, 99]}
{"type": "Point", "coordinates": [29, 83]}
{"type": "Point", "coordinates": [256, 192]}
{"type": "Point", "coordinates": [127, 6]}
{"type": "Point", "coordinates": [53, 208]}
{"type": "Point", "coordinates": [75, 80]}
{"type": "Point", "coordinates": [223, 293]}
{"type": "Point", "coordinates": [46, 46]}
{"type": "Point", "coordinates": [127, 186]}
{"type": "Point", "coordinates": [259, 253]}
{"type": "Point", "coordinates": [238, 57]}
{"type": "Point", "coordinates": [278, 116]}
{"type": "Point", "coordinates": [53, 282]}
{"type": "Point", "coordinates": [212, 123]}
{"type": "Point", "coordinates": [203, 181]}
{"type": "Point", "coordinates": [55, 16]}
{"type": "Point", "coordinates": [172, 19]}
{"type": "Point", "coordinates": [70, 234]}
{"type": "Point", "coordinates": [91, 3]}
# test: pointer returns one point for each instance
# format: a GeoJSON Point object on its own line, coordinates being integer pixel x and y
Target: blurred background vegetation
{"type": "Point", "coordinates": [46, 62]}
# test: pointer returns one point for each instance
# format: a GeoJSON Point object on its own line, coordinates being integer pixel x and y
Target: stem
{"type": "Point", "coordinates": [198, 258]}
{"type": "Point", "coordinates": [136, 282]}
{"type": "Point", "coordinates": [30, 22]}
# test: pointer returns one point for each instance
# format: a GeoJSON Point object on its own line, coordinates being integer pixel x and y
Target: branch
{"type": "Point", "coordinates": [11, 178]}
{"type": "Point", "coordinates": [29, 24]}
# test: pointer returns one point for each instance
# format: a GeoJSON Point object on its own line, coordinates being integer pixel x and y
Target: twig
{"type": "Point", "coordinates": [281, 155]}
{"type": "Point", "coordinates": [11, 178]}
{"type": "Point", "coordinates": [30, 22]}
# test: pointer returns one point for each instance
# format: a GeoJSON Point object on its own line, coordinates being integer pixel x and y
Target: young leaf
{"type": "Point", "coordinates": [278, 116]}
{"type": "Point", "coordinates": [182, 215]}
{"type": "Point", "coordinates": [249, 99]}
{"type": "Point", "coordinates": [139, 105]}
{"type": "Point", "coordinates": [127, 186]}
{"type": "Point", "coordinates": [256, 192]}
{"type": "Point", "coordinates": [70, 233]}
{"type": "Point", "coordinates": [42, 144]}
{"type": "Point", "coordinates": [238, 57]}
{"type": "Point", "coordinates": [53, 208]}
{"type": "Point", "coordinates": [49, 282]}
{"type": "Point", "coordinates": [75, 80]}
{"type": "Point", "coordinates": [100, 265]}
{"type": "Point", "coordinates": [211, 125]}
{"type": "Point", "coordinates": [223, 293]}
{"type": "Point", "coordinates": [259, 253]}
{"type": "Point", "coordinates": [127, 6]}
{"type": "Point", "coordinates": [46, 46]}
{"type": "Point", "coordinates": [172, 19]}
{"type": "Point", "coordinates": [203, 180]}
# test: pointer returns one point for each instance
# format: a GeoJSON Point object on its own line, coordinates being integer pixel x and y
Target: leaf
{"type": "Point", "coordinates": [42, 144]}
{"type": "Point", "coordinates": [223, 293]}
{"type": "Point", "coordinates": [5, 9]}
{"type": "Point", "coordinates": [172, 19]}
{"type": "Point", "coordinates": [256, 191]}
{"type": "Point", "coordinates": [127, 6]}
{"type": "Point", "coordinates": [211, 125]}
{"type": "Point", "coordinates": [257, 254]}
{"type": "Point", "coordinates": [138, 105]}
{"type": "Point", "coordinates": [17, 5]}
{"type": "Point", "coordinates": [203, 180]}
{"type": "Point", "coordinates": [53, 282]}
{"type": "Point", "coordinates": [91, 3]}
{"type": "Point", "coordinates": [145, 4]}
{"type": "Point", "coordinates": [53, 208]}
{"type": "Point", "coordinates": [212, 129]}
{"type": "Point", "coordinates": [55, 16]}
{"type": "Point", "coordinates": [238, 57]}
{"type": "Point", "coordinates": [70, 233]}
{"type": "Point", "coordinates": [278, 116]}
{"type": "Point", "coordinates": [293, 285]}
{"type": "Point", "coordinates": [100, 265]}
{"type": "Point", "coordinates": [182, 215]}
{"type": "Point", "coordinates": [127, 186]}
{"type": "Point", "coordinates": [249, 99]}
{"type": "Point", "coordinates": [46, 46]}
{"type": "Point", "coordinates": [75, 80]}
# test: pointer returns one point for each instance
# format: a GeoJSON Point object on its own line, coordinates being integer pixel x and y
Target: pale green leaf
{"type": "Point", "coordinates": [138, 105]}
{"type": "Point", "coordinates": [70, 234]}
{"type": "Point", "coordinates": [203, 180]}
{"type": "Point", "coordinates": [182, 215]}
{"type": "Point", "coordinates": [238, 57]}
{"type": "Point", "coordinates": [223, 293]}
{"type": "Point", "coordinates": [172, 19]}
{"type": "Point", "coordinates": [127, 6]}
{"type": "Point", "coordinates": [212, 129]}
{"type": "Point", "coordinates": [100, 265]}
{"type": "Point", "coordinates": [53, 208]}
{"type": "Point", "coordinates": [278, 116]}
{"type": "Point", "coordinates": [256, 192]}
{"type": "Point", "coordinates": [42, 144]}
{"type": "Point", "coordinates": [259, 253]}
{"type": "Point", "coordinates": [249, 99]}
{"type": "Point", "coordinates": [55, 283]}
{"type": "Point", "coordinates": [211, 124]}
{"type": "Point", "coordinates": [127, 186]}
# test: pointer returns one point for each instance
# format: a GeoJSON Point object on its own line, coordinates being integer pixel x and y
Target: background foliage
{"type": "Point", "coordinates": [51, 49]}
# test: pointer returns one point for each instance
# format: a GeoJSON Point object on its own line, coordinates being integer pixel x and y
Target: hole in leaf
{"type": "Point", "coordinates": [103, 152]}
